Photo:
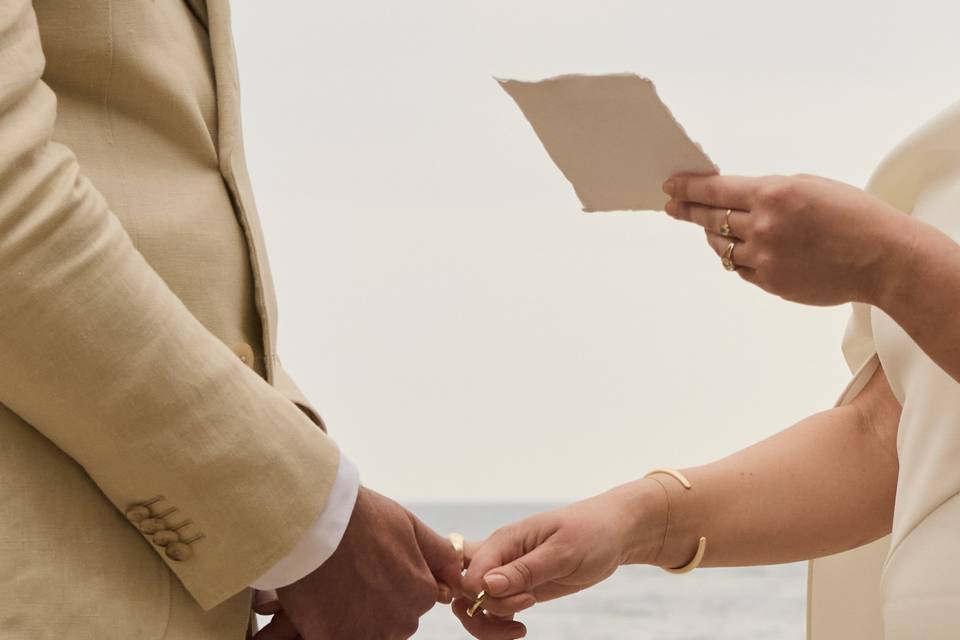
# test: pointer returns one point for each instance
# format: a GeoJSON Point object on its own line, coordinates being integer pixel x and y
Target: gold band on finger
{"type": "Point", "coordinates": [477, 604]}
{"type": "Point", "coordinates": [727, 258]}
{"type": "Point", "coordinates": [456, 539]}
{"type": "Point", "coordinates": [725, 229]}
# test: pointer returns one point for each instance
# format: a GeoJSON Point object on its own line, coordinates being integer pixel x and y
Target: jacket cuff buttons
{"type": "Point", "coordinates": [152, 522]}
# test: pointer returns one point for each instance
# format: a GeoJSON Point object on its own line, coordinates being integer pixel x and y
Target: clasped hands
{"type": "Point", "coordinates": [390, 569]}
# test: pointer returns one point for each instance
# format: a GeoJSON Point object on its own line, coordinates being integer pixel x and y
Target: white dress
{"type": "Point", "coordinates": [907, 585]}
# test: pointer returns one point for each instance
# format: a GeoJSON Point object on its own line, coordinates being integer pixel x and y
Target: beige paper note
{"type": "Point", "coordinates": [611, 136]}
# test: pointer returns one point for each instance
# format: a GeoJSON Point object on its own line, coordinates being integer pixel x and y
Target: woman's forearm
{"type": "Point", "coordinates": [824, 485]}
{"type": "Point", "coordinates": [920, 290]}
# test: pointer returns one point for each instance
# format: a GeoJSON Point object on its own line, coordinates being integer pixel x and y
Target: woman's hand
{"type": "Point", "coordinates": [804, 238]}
{"type": "Point", "coordinates": [556, 553]}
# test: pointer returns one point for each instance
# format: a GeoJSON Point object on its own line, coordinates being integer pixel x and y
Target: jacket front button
{"type": "Point", "coordinates": [179, 551]}
{"type": "Point", "coordinates": [245, 352]}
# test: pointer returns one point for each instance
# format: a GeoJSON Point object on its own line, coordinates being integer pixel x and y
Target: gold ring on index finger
{"type": "Point", "coordinates": [456, 539]}
{"type": "Point", "coordinates": [725, 229]}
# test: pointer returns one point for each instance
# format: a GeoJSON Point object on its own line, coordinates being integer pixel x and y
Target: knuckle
{"type": "Point", "coordinates": [524, 573]}
{"type": "Point", "coordinates": [502, 532]}
{"type": "Point", "coordinates": [423, 594]}
{"type": "Point", "coordinates": [408, 628]}
{"type": "Point", "coordinates": [765, 227]}
{"type": "Point", "coordinates": [776, 194]}
{"type": "Point", "coordinates": [763, 261]}
{"type": "Point", "coordinates": [565, 554]}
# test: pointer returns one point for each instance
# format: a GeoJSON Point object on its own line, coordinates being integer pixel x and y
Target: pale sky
{"type": "Point", "coordinates": [469, 334]}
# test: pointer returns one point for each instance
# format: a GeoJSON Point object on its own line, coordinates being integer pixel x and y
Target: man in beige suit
{"type": "Point", "coordinates": [156, 461]}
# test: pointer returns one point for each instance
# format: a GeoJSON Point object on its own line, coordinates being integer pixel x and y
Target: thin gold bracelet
{"type": "Point", "coordinates": [702, 546]}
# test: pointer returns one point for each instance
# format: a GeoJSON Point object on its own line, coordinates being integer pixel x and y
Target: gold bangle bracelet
{"type": "Point", "coordinates": [702, 545]}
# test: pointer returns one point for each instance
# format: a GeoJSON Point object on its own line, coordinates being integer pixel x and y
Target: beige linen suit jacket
{"type": "Point", "coordinates": [155, 459]}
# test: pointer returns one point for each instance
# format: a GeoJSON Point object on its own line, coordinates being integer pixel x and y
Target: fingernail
{"type": "Point", "coordinates": [668, 187]}
{"type": "Point", "coordinates": [445, 594]}
{"type": "Point", "coordinates": [496, 583]}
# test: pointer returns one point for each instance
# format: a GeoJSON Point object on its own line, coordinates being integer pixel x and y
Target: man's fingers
{"type": "Point", "coordinates": [722, 192]}
{"type": "Point", "coordinates": [470, 548]}
{"type": "Point", "coordinates": [439, 555]}
{"type": "Point", "coordinates": [266, 603]}
{"type": "Point", "coordinates": [280, 628]}
{"type": "Point", "coordinates": [445, 595]}
{"type": "Point", "coordinates": [486, 627]}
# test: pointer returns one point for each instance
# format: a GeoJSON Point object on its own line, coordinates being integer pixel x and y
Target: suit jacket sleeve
{"type": "Point", "coordinates": [101, 357]}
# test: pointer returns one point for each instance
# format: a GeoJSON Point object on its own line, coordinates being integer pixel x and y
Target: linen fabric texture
{"type": "Point", "coordinates": [138, 359]}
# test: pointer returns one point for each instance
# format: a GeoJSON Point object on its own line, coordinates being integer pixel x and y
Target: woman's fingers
{"type": "Point", "coordinates": [722, 192]}
{"type": "Point", "coordinates": [486, 627]}
{"type": "Point", "coordinates": [741, 250]}
{"type": "Point", "coordinates": [711, 218]}
{"type": "Point", "coordinates": [495, 572]}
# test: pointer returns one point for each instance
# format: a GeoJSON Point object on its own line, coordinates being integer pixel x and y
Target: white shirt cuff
{"type": "Point", "coordinates": [323, 538]}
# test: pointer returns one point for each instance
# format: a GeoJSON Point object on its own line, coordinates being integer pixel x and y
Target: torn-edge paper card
{"type": "Point", "coordinates": [611, 136]}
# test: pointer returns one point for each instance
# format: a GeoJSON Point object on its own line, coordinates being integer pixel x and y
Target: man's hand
{"type": "Point", "coordinates": [388, 571]}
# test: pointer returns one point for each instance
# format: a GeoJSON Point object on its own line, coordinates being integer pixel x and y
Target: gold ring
{"type": "Point", "coordinates": [725, 230]}
{"type": "Point", "coordinates": [456, 539]}
{"type": "Point", "coordinates": [477, 604]}
{"type": "Point", "coordinates": [727, 258]}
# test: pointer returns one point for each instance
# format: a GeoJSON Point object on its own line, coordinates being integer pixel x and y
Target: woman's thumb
{"type": "Point", "coordinates": [524, 574]}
